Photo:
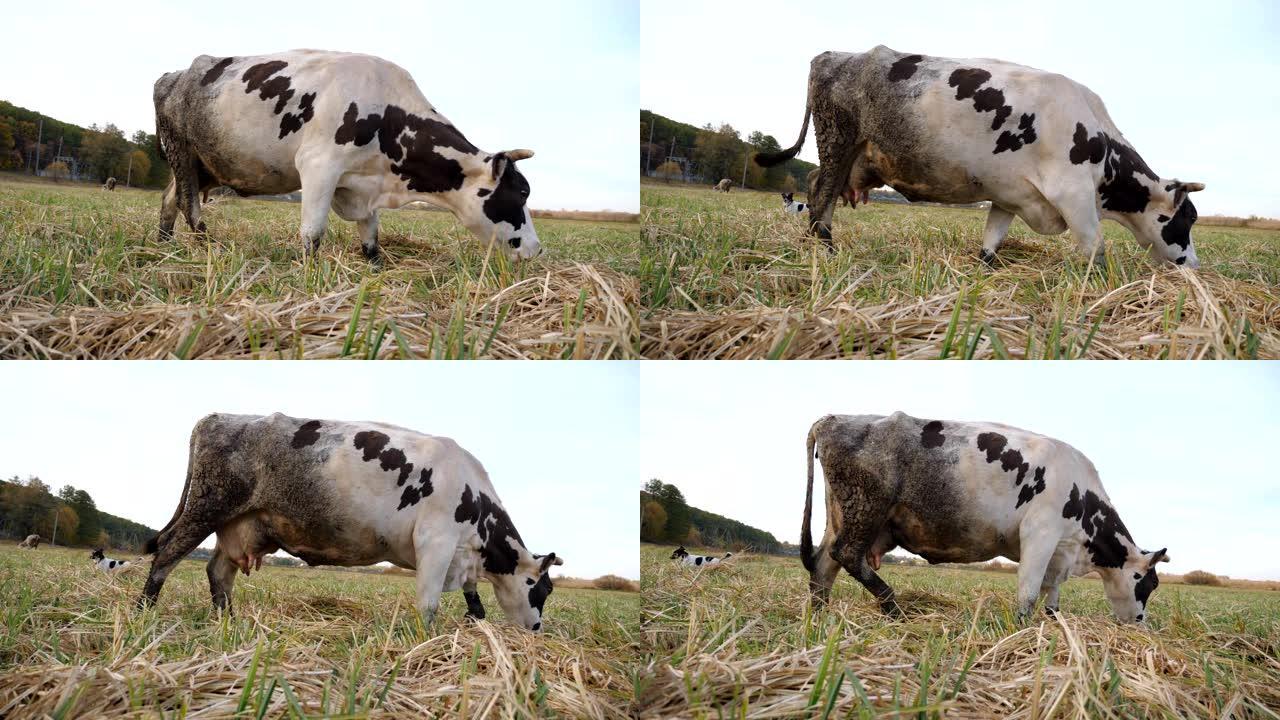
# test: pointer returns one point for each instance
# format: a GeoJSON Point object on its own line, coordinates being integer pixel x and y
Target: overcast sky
{"type": "Point", "coordinates": [558, 440]}
{"type": "Point", "coordinates": [1192, 85]}
{"type": "Point", "coordinates": [561, 79]}
{"type": "Point", "coordinates": [1183, 449]}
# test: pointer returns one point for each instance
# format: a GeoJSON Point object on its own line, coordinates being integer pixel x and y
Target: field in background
{"type": "Point", "coordinates": [732, 276]}
{"type": "Point", "coordinates": [301, 642]}
{"type": "Point", "coordinates": [83, 275]}
{"type": "Point", "coordinates": [736, 640]}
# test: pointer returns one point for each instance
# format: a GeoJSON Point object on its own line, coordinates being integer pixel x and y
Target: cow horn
{"type": "Point", "coordinates": [1193, 187]}
{"type": "Point", "coordinates": [514, 155]}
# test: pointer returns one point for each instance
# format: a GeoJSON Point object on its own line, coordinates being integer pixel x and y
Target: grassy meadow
{"type": "Point", "coordinates": [82, 275]}
{"type": "Point", "coordinates": [737, 641]}
{"type": "Point", "coordinates": [733, 277]}
{"type": "Point", "coordinates": [300, 643]}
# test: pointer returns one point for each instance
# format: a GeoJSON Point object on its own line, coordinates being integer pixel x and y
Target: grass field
{"type": "Point", "coordinates": [302, 642]}
{"type": "Point", "coordinates": [737, 641]}
{"type": "Point", "coordinates": [732, 276]}
{"type": "Point", "coordinates": [83, 275]}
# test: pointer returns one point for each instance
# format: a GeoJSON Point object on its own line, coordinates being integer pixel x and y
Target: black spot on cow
{"type": "Point", "coordinates": [306, 435]}
{"type": "Point", "coordinates": [1085, 148]}
{"type": "Point", "coordinates": [475, 608]}
{"type": "Point", "coordinates": [966, 81]}
{"type": "Point", "coordinates": [697, 560]}
{"type": "Point", "coordinates": [508, 199]}
{"type": "Point", "coordinates": [391, 458]}
{"type": "Point", "coordinates": [538, 594]}
{"type": "Point", "coordinates": [371, 442]}
{"type": "Point", "coordinates": [215, 72]}
{"type": "Point", "coordinates": [988, 99]}
{"type": "Point", "coordinates": [1121, 190]}
{"type": "Point", "coordinates": [468, 511]}
{"type": "Point", "coordinates": [291, 122]}
{"type": "Point", "coordinates": [904, 68]}
{"type": "Point", "coordinates": [495, 529]}
{"type": "Point", "coordinates": [415, 492]}
{"type": "Point", "coordinates": [405, 470]}
{"type": "Point", "coordinates": [482, 192]}
{"type": "Point", "coordinates": [1031, 489]}
{"type": "Point", "coordinates": [1178, 231]}
{"type": "Point", "coordinates": [256, 78]}
{"type": "Point", "coordinates": [1014, 141]}
{"type": "Point", "coordinates": [112, 564]}
{"type": "Point", "coordinates": [514, 242]}
{"type": "Point", "coordinates": [1012, 460]}
{"type": "Point", "coordinates": [411, 141]}
{"type": "Point", "coordinates": [993, 444]}
{"type": "Point", "coordinates": [1102, 526]}
{"type": "Point", "coordinates": [1144, 587]}
{"type": "Point", "coordinates": [931, 436]}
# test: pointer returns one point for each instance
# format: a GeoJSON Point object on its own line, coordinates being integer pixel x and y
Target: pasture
{"type": "Point", "coordinates": [82, 275]}
{"type": "Point", "coordinates": [301, 642]}
{"type": "Point", "coordinates": [737, 640]}
{"type": "Point", "coordinates": [733, 277]}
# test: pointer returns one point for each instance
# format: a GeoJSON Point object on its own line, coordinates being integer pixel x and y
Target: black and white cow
{"type": "Point", "coordinates": [698, 560]}
{"type": "Point", "coordinates": [352, 131]}
{"type": "Point", "coordinates": [349, 493]}
{"type": "Point", "coordinates": [967, 492]}
{"type": "Point", "coordinates": [790, 205]}
{"type": "Point", "coordinates": [1038, 145]}
{"type": "Point", "coordinates": [106, 564]}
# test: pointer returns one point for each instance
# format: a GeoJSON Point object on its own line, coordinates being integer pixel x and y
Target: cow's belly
{"type": "Point", "coordinates": [954, 538]}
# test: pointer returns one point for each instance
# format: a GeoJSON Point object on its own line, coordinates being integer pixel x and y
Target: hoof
{"type": "Point", "coordinates": [373, 255]}
{"type": "Point", "coordinates": [987, 257]}
{"type": "Point", "coordinates": [1050, 611]}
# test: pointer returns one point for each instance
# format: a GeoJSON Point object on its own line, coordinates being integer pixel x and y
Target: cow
{"type": "Point", "coordinates": [723, 185]}
{"type": "Point", "coordinates": [790, 205]}
{"type": "Point", "coordinates": [110, 184]}
{"type": "Point", "coordinates": [353, 132]}
{"type": "Point", "coordinates": [348, 493]}
{"type": "Point", "coordinates": [1038, 145]}
{"type": "Point", "coordinates": [685, 558]}
{"type": "Point", "coordinates": [967, 492]}
{"type": "Point", "coordinates": [105, 564]}
{"type": "Point", "coordinates": [850, 195]}
{"type": "Point", "coordinates": [31, 541]}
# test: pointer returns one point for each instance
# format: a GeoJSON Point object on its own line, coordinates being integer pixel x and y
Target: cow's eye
{"type": "Point", "coordinates": [1136, 576]}
{"type": "Point", "coordinates": [529, 581]}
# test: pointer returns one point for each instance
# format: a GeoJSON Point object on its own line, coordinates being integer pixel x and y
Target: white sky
{"type": "Point", "coordinates": [1192, 85]}
{"type": "Point", "coordinates": [1183, 449]}
{"type": "Point", "coordinates": [559, 439]}
{"type": "Point", "coordinates": [563, 82]}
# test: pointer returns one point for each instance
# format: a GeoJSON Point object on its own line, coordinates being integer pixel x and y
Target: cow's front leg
{"type": "Point", "coordinates": [432, 560]}
{"type": "Point", "coordinates": [169, 209]}
{"type": "Point", "coordinates": [998, 221]}
{"type": "Point", "coordinates": [368, 230]}
{"type": "Point", "coordinates": [318, 186]}
{"type": "Point", "coordinates": [1080, 211]}
{"type": "Point", "coordinates": [1033, 565]}
{"type": "Point", "coordinates": [475, 608]}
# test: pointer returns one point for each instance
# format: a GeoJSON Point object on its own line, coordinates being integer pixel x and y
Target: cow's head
{"type": "Point", "coordinates": [1165, 226]}
{"type": "Point", "coordinates": [493, 205]}
{"type": "Point", "coordinates": [523, 592]}
{"type": "Point", "coordinates": [679, 552]}
{"type": "Point", "coordinates": [1129, 586]}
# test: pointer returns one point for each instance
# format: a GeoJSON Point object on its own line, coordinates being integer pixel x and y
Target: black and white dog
{"type": "Point", "coordinates": [106, 564]}
{"type": "Point", "coordinates": [790, 205]}
{"type": "Point", "coordinates": [686, 559]}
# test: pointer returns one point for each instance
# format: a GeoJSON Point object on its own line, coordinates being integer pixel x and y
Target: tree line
{"type": "Point", "coordinates": [673, 150]}
{"type": "Point", "coordinates": [97, 152]}
{"type": "Point", "coordinates": [665, 516]}
{"type": "Point", "coordinates": [31, 507]}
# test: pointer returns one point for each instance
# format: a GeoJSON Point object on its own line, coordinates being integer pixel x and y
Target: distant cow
{"type": "Point", "coordinates": [966, 492]}
{"type": "Point", "coordinates": [110, 184]}
{"type": "Point", "coordinates": [353, 132]}
{"type": "Point", "coordinates": [1038, 145]}
{"type": "Point", "coordinates": [106, 564]}
{"type": "Point", "coordinates": [31, 541]}
{"type": "Point", "coordinates": [790, 205]}
{"type": "Point", "coordinates": [724, 185]}
{"type": "Point", "coordinates": [348, 493]}
{"type": "Point", "coordinates": [698, 560]}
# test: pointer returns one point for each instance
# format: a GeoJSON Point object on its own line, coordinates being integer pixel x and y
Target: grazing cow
{"type": "Point", "coordinates": [723, 185]}
{"type": "Point", "coordinates": [352, 131]}
{"type": "Point", "coordinates": [110, 184]}
{"type": "Point", "coordinates": [348, 493]}
{"type": "Point", "coordinates": [686, 559]}
{"type": "Point", "coordinates": [106, 564]}
{"type": "Point", "coordinates": [790, 205]}
{"type": "Point", "coordinates": [31, 541]}
{"type": "Point", "coordinates": [967, 492]}
{"type": "Point", "coordinates": [1038, 145]}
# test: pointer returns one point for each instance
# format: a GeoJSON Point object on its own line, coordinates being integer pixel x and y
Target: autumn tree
{"type": "Point", "coordinates": [104, 149]}
{"type": "Point", "coordinates": [670, 170]}
{"type": "Point", "coordinates": [653, 520]}
{"type": "Point", "coordinates": [137, 174]}
{"type": "Point", "coordinates": [718, 152]}
{"type": "Point", "coordinates": [57, 170]}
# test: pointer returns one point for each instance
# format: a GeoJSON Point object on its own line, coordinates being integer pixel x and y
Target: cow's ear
{"type": "Point", "coordinates": [547, 562]}
{"type": "Point", "coordinates": [508, 156]}
{"type": "Point", "coordinates": [1158, 556]}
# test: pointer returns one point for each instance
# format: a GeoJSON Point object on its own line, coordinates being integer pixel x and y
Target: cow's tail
{"type": "Point", "coordinates": [153, 545]}
{"type": "Point", "coordinates": [775, 158]}
{"type": "Point", "coordinates": [806, 534]}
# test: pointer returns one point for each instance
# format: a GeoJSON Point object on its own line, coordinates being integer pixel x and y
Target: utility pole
{"type": "Point", "coordinates": [54, 541]}
{"type": "Point", "coordinates": [39, 139]}
{"type": "Point", "coordinates": [129, 174]}
{"type": "Point", "coordinates": [648, 160]}
{"type": "Point", "coordinates": [745, 160]}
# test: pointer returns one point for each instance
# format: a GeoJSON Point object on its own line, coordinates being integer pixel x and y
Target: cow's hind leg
{"type": "Point", "coordinates": [836, 133]}
{"type": "Point", "coordinates": [181, 539]}
{"type": "Point", "coordinates": [851, 552]}
{"type": "Point", "coordinates": [222, 577]}
{"type": "Point", "coordinates": [998, 221]}
{"type": "Point", "coordinates": [823, 575]}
